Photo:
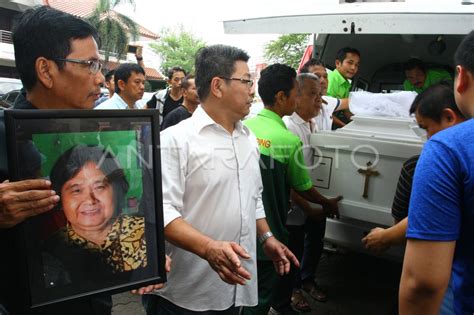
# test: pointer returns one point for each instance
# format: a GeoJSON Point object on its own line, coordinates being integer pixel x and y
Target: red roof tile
{"type": "Point", "coordinates": [84, 8]}
{"type": "Point", "coordinates": [151, 73]}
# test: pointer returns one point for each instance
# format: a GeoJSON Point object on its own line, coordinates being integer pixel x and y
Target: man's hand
{"type": "Point", "coordinates": [139, 52]}
{"type": "Point", "coordinates": [153, 287]}
{"type": "Point", "coordinates": [224, 259]}
{"type": "Point", "coordinates": [23, 199]}
{"type": "Point", "coordinates": [376, 241]}
{"type": "Point", "coordinates": [331, 208]}
{"type": "Point", "coordinates": [281, 256]}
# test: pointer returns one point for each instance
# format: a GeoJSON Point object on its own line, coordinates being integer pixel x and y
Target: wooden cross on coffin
{"type": "Point", "coordinates": [368, 173]}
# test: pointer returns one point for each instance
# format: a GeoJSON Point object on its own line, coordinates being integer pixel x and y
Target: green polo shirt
{"type": "Point", "coordinates": [338, 86]}
{"type": "Point", "coordinates": [282, 167]}
{"type": "Point", "coordinates": [433, 76]}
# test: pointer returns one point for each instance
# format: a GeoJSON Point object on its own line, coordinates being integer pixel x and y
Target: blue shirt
{"type": "Point", "coordinates": [115, 102]}
{"type": "Point", "coordinates": [442, 204]}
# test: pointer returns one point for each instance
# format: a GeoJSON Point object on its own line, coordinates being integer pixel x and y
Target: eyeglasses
{"type": "Point", "coordinates": [242, 80]}
{"type": "Point", "coordinates": [94, 65]}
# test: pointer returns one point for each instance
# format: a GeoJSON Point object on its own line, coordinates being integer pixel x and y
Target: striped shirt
{"type": "Point", "coordinates": [402, 196]}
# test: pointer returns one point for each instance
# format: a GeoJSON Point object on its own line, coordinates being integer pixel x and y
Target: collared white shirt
{"type": "Point", "coordinates": [212, 180]}
{"type": "Point", "coordinates": [303, 130]}
{"type": "Point", "coordinates": [324, 119]}
{"type": "Point", "coordinates": [115, 102]}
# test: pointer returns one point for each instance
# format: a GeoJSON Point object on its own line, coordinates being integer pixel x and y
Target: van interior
{"type": "Point", "coordinates": [383, 55]}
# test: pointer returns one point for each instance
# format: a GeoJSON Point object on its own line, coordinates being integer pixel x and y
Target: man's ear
{"type": "Point", "coordinates": [216, 87]}
{"type": "Point", "coordinates": [461, 83]}
{"type": "Point", "coordinates": [280, 97]}
{"type": "Point", "coordinates": [121, 84]}
{"type": "Point", "coordinates": [450, 118]}
{"type": "Point", "coordinates": [46, 70]}
{"type": "Point", "coordinates": [338, 63]}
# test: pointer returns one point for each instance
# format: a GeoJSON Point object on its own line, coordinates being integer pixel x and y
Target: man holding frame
{"type": "Point", "coordinates": [58, 61]}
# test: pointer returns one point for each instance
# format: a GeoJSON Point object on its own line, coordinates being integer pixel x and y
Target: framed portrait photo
{"type": "Point", "coordinates": [105, 235]}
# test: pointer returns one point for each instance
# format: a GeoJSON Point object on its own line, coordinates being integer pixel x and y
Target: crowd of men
{"type": "Point", "coordinates": [239, 219]}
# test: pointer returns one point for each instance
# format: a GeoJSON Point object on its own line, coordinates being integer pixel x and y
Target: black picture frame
{"type": "Point", "coordinates": [59, 258]}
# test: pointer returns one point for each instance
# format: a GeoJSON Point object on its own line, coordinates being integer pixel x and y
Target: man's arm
{"type": "Point", "coordinates": [281, 256]}
{"type": "Point", "coordinates": [379, 239]}
{"type": "Point", "coordinates": [301, 182]}
{"type": "Point", "coordinates": [343, 104]}
{"type": "Point", "coordinates": [316, 214]}
{"type": "Point", "coordinates": [23, 199]}
{"type": "Point", "coordinates": [330, 206]}
{"type": "Point", "coordinates": [338, 122]}
{"type": "Point", "coordinates": [425, 276]}
{"type": "Point", "coordinates": [139, 56]}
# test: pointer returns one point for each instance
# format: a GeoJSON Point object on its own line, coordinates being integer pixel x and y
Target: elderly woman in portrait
{"type": "Point", "coordinates": [98, 238]}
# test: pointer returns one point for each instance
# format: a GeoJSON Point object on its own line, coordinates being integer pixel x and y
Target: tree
{"type": "Point", "coordinates": [287, 49]}
{"type": "Point", "coordinates": [115, 29]}
{"type": "Point", "coordinates": [177, 48]}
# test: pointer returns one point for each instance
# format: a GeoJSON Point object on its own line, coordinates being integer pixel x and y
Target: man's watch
{"type": "Point", "coordinates": [264, 237]}
{"type": "Point", "coordinates": [139, 58]}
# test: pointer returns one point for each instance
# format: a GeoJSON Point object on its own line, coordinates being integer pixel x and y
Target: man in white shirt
{"type": "Point", "coordinates": [129, 87]}
{"type": "Point", "coordinates": [212, 203]}
{"type": "Point", "coordinates": [330, 104]}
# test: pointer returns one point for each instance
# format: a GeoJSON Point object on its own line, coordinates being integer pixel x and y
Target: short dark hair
{"type": "Point", "coordinates": [45, 32]}
{"type": "Point", "coordinates": [172, 70]}
{"type": "Point", "coordinates": [215, 61]}
{"type": "Point", "coordinates": [185, 83]}
{"type": "Point", "coordinates": [273, 79]}
{"type": "Point", "coordinates": [109, 75]}
{"type": "Point", "coordinates": [70, 163]}
{"type": "Point", "coordinates": [342, 53]}
{"type": "Point", "coordinates": [431, 102]}
{"type": "Point", "coordinates": [414, 63]}
{"type": "Point", "coordinates": [310, 63]}
{"type": "Point", "coordinates": [464, 55]}
{"type": "Point", "coordinates": [124, 72]}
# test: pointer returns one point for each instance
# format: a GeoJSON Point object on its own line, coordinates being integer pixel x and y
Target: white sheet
{"type": "Point", "coordinates": [381, 104]}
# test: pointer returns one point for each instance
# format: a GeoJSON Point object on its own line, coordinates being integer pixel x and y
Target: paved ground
{"type": "Point", "coordinates": [356, 284]}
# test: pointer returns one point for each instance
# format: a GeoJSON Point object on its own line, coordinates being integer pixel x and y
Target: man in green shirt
{"type": "Point", "coordinates": [282, 167]}
{"type": "Point", "coordinates": [347, 66]}
{"type": "Point", "coordinates": [419, 78]}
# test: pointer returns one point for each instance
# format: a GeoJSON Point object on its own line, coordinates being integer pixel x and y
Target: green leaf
{"type": "Point", "coordinates": [287, 49]}
{"type": "Point", "coordinates": [177, 47]}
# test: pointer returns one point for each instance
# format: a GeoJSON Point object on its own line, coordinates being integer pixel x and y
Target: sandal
{"type": "Point", "coordinates": [315, 291]}
{"type": "Point", "coordinates": [299, 302]}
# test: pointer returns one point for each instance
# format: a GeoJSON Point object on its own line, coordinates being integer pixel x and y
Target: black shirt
{"type": "Point", "coordinates": [175, 116]}
{"type": "Point", "coordinates": [401, 201]}
{"type": "Point", "coordinates": [170, 105]}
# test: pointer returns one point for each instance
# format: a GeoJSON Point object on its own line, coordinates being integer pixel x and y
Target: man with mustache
{"type": "Point", "coordinates": [419, 78]}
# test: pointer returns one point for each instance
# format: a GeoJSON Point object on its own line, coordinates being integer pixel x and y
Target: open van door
{"type": "Point", "coordinates": [386, 34]}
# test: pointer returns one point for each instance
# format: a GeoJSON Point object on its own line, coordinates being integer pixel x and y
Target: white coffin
{"type": "Point", "coordinates": [385, 142]}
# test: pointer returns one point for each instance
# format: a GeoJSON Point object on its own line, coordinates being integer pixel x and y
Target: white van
{"type": "Point", "coordinates": [387, 34]}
